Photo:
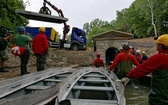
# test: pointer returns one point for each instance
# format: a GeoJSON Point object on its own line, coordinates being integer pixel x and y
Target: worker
{"type": "Point", "coordinates": [40, 48]}
{"type": "Point", "coordinates": [144, 56]}
{"type": "Point", "coordinates": [138, 56]}
{"type": "Point", "coordinates": [98, 62]}
{"type": "Point", "coordinates": [132, 50]}
{"type": "Point", "coordinates": [125, 61]}
{"type": "Point", "coordinates": [3, 50]}
{"type": "Point", "coordinates": [120, 50]}
{"type": "Point", "coordinates": [158, 67]}
{"type": "Point", "coordinates": [24, 41]}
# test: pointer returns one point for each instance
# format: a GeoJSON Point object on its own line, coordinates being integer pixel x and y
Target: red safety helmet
{"type": "Point", "coordinates": [98, 54]}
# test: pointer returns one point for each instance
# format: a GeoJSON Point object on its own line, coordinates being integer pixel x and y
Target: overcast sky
{"type": "Point", "coordinates": [79, 11]}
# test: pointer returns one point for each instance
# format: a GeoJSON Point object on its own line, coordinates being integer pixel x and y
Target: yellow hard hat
{"type": "Point", "coordinates": [143, 52]}
{"type": "Point", "coordinates": [42, 29]}
{"type": "Point", "coordinates": [163, 39]}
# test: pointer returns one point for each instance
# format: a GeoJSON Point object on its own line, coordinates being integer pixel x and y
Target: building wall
{"type": "Point", "coordinates": [102, 46]}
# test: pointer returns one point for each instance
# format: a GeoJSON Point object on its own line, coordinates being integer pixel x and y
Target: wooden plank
{"type": "Point", "coordinates": [41, 17]}
{"type": "Point", "coordinates": [93, 88]}
{"type": "Point", "coordinates": [93, 102]}
{"type": "Point", "coordinates": [94, 80]}
{"type": "Point", "coordinates": [98, 76]}
{"type": "Point", "coordinates": [36, 87]}
{"type": "Point", "coordinates": [17, 84]}
{"type": "Point", "coordinates": [63, 76]}
{"type": "Point", "coordinates": [52, 80]}
{"type": "Point", "coordinates": [37, 98]}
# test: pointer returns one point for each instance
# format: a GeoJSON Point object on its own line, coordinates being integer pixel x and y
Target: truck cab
{"type": "Point", "coordinates": [78, 40]}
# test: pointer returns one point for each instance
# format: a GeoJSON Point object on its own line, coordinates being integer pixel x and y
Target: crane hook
{"type": "Point", "coordinates": [44, 9]}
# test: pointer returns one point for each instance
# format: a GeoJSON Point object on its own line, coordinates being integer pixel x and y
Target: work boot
{"type": "Point", "coordinates": [3, 70]}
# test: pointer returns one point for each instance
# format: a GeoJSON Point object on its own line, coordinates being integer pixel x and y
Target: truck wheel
{"type": "Point", "coordinates": [75, 47]}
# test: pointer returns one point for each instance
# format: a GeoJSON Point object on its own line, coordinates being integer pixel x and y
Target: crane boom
{"type": "Point", "coordinates": [78, 37]}
{"type": "Point", "coordinates": [45, 10]}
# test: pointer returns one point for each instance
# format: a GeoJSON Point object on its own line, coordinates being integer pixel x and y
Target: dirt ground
{"type": "Point", "coordinates": [14, 72]}
{"type": "Point", "coordinates": [56, 58]}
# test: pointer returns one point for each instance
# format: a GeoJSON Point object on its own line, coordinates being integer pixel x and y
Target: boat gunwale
{"type": "Point", "coordinates": [68, 84]}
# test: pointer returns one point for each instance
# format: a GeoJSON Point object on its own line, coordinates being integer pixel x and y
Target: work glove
{"type": "Point", "coordinates": [125, 80]}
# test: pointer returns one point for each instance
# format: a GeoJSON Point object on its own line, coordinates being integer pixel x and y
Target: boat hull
{"type": "Point", "coordinates": [91, 86]}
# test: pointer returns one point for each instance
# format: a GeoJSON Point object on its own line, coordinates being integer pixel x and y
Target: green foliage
{"type": "Point", "coordinates": [95, 27]}
{"type": "Point", "coordinates": [139, 19]}
{"type": "Point", "coordinates": [8, 17]}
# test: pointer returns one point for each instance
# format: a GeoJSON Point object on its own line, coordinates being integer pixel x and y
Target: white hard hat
{"type": "Point", "coordinates": [138, 51]}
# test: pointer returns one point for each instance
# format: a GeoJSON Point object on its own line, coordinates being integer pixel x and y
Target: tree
{"type": "Point", "coordinates": [95, 27]}
{"type": "Point", "coordinates": [144, 18]}
{"type": "Point", "coordinates": [8, 16]}
{"type": "Point", "coordinates": [151, 6]}
{"type": "Point", "coordinates": [122, 23]}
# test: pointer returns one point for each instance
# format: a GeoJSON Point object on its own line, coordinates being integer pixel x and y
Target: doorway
{"type": "Point", "coordinates": [110, 55]}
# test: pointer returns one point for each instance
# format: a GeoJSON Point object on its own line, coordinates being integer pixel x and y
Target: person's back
{"type": "Point", "coordinates": [98, 62]}
{"type": "Point", "coordinates": [124, 61]}
{"type": "Point", "coordinates": [132, 50]}
{"type": "Point", "coordinates": [3, 41]}
{"type": "Point", "coordinates": [138, 56]}
{"type": "Point", "coordinates": [144, 56]}
{"type": "Point", "coordinates": [23, 40]}
{"type": "Point", "coordinates": [40, 44]}
{"type": "Point", "coordinates": [3, 48]}
{"type": "Point", "coordinates": [40, 48]}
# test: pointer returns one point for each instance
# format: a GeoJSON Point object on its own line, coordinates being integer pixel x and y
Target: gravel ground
{"type": "Point", "coordinates": [14, 72]}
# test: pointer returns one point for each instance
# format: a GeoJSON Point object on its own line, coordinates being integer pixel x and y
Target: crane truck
{"type": "Point", "coordinates": [78, 36]}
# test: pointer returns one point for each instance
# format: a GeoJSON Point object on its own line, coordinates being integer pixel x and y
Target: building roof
{"type": "Point", "coordinates": [112, 35]}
